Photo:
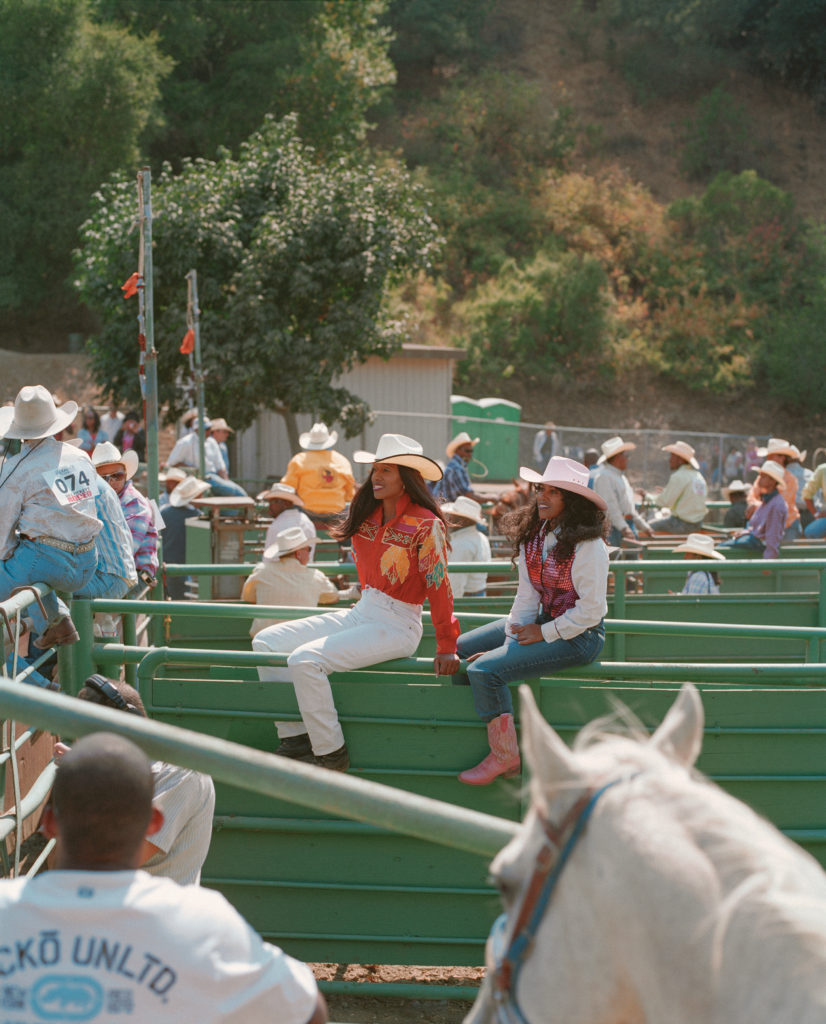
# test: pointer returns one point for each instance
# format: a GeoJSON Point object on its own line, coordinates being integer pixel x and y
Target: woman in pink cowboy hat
{"type": "Point", "coordinates": [556, 618]}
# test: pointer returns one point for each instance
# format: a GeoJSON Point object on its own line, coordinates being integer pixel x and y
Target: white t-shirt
{"type": "Point", "coordinates": [468, 545]}
{"type": "Point", "coordinates": [121, 947]}
{"type": "Point", "coordinates": [187, 799]}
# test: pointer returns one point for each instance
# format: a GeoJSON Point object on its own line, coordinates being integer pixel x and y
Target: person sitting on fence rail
{"type": "Point", "coordinates": [816, 487]}
{"type": "Point", "coordinates": [781, 453]}
{"type": "Point", "coordinates": [467, 544]}
{"type": "Point", "coordinates": [764, 531]}
{"type": "Point", "coordinates": [735, 493]}
{"type": "Point", "coordinates": [115, 574]}
{"type": "Point", "coordinates": [118, 470]}
{"type": "Point", "coordinates": [455, 482]}
{"type": "Point", "coordinates": [285, 579]}
{"type": "Point", "coordinates": [170, 478]}
{"type": "Point", "coordinates": [700, 546]}
{"type": "Point", "coordinates": [321, 477]}
{"type": "Point", "coordinates": [48, 520]}
{"type": "Point", "coordinates": [400, 548]}
{"type": "Point", "coordinates": [186, 798]}
{"type": "Point", "coordinates": [685, 493]}
{"type": "Point", "coordinates": [557, 616]}
{"type": "Point", "coordinates": [175, 515]}
{"type": "Point", "coordinates": [286, 509]}
{"type": "Point", "coordinates": [99, 939]}
{"type": "Point", "coordinates": [611, 484]}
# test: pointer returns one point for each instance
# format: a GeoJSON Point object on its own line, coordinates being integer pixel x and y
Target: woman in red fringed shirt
{"type": "Point", "coordinates": [556, 618]}
{"type": "Point", "coordinates": [400, 547]}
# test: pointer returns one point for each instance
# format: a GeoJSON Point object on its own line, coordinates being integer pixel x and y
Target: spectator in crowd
{"type": "Point", "coordinates": [184, 952]}
{"type": "Point", "coordinates": [285, 579]}
{"type": "Point", "coordinates": [118, 469]}
{"type": "Point", "coordinates": [685, 493]}
{"type": "Point", "coordinates": [131, 436]}
{"type": "Point", "coordinates": [781, 452]}
{"type": "Point", "coordinates": [186, 454]}
{"type": "Point", "coordinates": [170, 478]}
{"type": "Point", "coordinates": [111, 421]}
{"type": "Point", "coordinates": [48, 519]}
{"type": "Point", "coordinates": [753, 459]}
{"type": "Point", "coordinates": [545, 445]}
{"type": "Point", "coordinates": [399, 544]}
{"type": "Point", "coordinates": [611, 484]}
{"type": "Point", "coordinates": [816, 488]}
{"type": "Point", "coordinates": [765, 528]}
{"type": "Point", "coordinates": [220, 432]}
{"type": "Point", "coordinates": [590, 460]}
{"type": "Point", "coordinates": [175, 514]}
{"type": "Point", "coordinates": [735, 494]}
{"type": "Point", "coordinates": [795, 466]}
{"type": "Point", "coordinates": [700, 547]}
{"type": "Point", "coordinates": [186, 798]}
{"type": "Point", "coordinates": [320, 476]}
{"type": "Point", "coordinates": [91, 432]}
{"type": "Point", "coordinates": [733, 465]}
{"type": "Point", "coordinates": [467, 544]}
{"type": "Point", "coordinates": [455, 480]}
{"type": "Point", "coordinates": [286, 509]}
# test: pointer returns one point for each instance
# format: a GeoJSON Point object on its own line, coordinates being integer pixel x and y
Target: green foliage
{"type": "Point", "coordinates": [718, 138]}
{"type": "Point", "coordinates": [658, 69]}
{"type": "Point", "coordinates": [293, 258]}
{"type": "Point", "coordinates": [75, 100]}
{"type": "Point", "coordinates": [793, 358]}
{"type": "Point", "coordinates": [428, 32]}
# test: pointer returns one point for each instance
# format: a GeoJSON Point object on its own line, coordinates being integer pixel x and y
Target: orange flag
{"type": "Point", "coordinates": [188, 344]}
{"type": "Point", "coordinates": [130, 286]}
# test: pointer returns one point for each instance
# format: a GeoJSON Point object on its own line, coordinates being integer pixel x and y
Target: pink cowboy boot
{"type": "Point", "coordinates": [503, 758]}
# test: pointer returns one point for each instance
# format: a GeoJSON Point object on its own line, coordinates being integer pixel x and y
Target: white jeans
{"type": "Point", "coordinates": [376, 629]}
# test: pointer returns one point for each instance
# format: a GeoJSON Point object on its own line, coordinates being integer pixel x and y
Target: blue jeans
{"type": "Point", "coordinates": [39, 563]}
{"type": "Point", "coordinates": [104, 584]}
{"type": "Point", "coordinates": [225, 488]}
{"type": "Point", "coordinates": [745, 540]}
{"type": "Point", "coordinates": [816, 528]}
{"type": "Point", "coordinates": [507, 661]}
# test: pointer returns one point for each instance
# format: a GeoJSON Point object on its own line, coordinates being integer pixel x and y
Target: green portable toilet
{"type": "Point", "coordinates": [495, 422]}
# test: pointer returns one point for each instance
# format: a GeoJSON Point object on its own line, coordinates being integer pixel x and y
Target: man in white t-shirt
{"type": "Point", "coordinates": [467, 544]}
{"type": "Point", "coordinates": [99, 940]}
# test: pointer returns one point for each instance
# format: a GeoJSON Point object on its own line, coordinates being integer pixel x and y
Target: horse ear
{"type": "Point", "coordinates": [680, 734]}
{"type": "Point", "coordinates": [550, 760]}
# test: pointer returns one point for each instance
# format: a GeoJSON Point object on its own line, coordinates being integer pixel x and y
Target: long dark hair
{"type": "Point", "coordinates": [364, 502]}
{"type": "Point", "coordinates": [91, 411]}
{"type": "Point", "coordinates": [581, 520]}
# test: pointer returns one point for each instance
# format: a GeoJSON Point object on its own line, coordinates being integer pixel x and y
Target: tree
{"type": "Point", "coordinates": [293, 256]}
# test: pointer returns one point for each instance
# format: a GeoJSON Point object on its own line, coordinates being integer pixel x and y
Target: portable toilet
{"type": "Point", "coordinates": [495, 421]}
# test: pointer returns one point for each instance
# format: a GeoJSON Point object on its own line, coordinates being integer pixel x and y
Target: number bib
{"type": "Point", "coordinates": [71, 484]}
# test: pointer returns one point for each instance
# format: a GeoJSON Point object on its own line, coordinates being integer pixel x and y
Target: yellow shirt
{"type": "Point", "coordinates": [324, 480]}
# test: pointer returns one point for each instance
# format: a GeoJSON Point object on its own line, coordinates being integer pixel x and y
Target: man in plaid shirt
{"type": "Point", "coordinates": [117, 470]}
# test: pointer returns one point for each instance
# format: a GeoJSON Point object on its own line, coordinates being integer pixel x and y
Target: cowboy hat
{"type": "Point", "coordinates": [35, 415]}
{"type": "Point", "coordinates": [172, 473]}
{"type": "Point", "coordinates": [683, 451]}
{"type": "Point", "coordinates": [458, 441]}
{"type": "Point", "coordinates": [613, 446]}
{"type": "Point", "coordinates": [735, 487]}
{"type": "Point", "coordinates": [464, 508]}
{"type": "Point", "coordinates": [189, 416]}
{"type": "Point", "coordinates": [106, 454]}
{"type": "Point", "coordinates": [799, 456]}
{"type": "Point", "coordinates": [221, 424]}
{"type": "Point", "coordinates": [287, 541]}
{"type": "Point", "coordinates": [700, 544]}
{"type": "Point", "coordinates": [283, 491]}
{"type": "Point", "coordinates": [318, 438]}
{"type": "Point", "coordinates": [776, 472]}
{"type": "Point", "coordinates": [565, 474]}
{"type": "Point", "coordinates": [400, 450]}
{"type": "Point", "coordinates": [777, 446]}
{"type": "Point", "coordinates": [187, 490]}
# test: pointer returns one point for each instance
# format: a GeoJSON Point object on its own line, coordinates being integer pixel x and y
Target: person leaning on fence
{"type": "Point", "coordinates": [467, 544]}
{"type": "Point", "coordinates": [700, 546]}
{"type": "Point", "coordinates": [765, 528]}
{"type": "Point", "coordinates": [400, 548]}
{"type": "Point", "coordinates": [115, 573]}
{"type": "Point", "coordinates": [556, 620]}
{"type": "Point", "coordinates": [48, 519]}
{"type": "Point", "coordinates": [321, 477]}
{"type": "Point", "coordinates": [781, 453]}
{"type": "Point", "coordinates": [685, 495]}
{"type": "Point", "coordinates": [286, 509]}
{"type": "Point", "coordinates": [611, 484]}
{"type": "Point", "coordinates": [183, 953]}
{"type": "Point", "coordinates": [455, 482]}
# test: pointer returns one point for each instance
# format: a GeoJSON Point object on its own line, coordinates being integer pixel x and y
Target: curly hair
{"type": "Point", "coordinates": [364, 502]}
{"type": "Point", "coordinates": [581, 520]}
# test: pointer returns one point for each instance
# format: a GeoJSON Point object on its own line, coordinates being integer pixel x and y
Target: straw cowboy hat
{"type": "Point", "coordinates": [799, 456]}
{"type": "Point", "coordinates": [187, 490]}
{"type": "Point", "coordinates": [735, 487]}
{"type": "Point", "coordinates": [219, 423]}
{"type": "Point", "coordinates": [35, 415]}
{"type": "Point", "coordinates": [106, 454]}
{"type": "Point", "coordinates": [565, 474]}
{"type": "Point", "coordinates": [776, 472]}
{"type": "Point", "coordinates": [400, 450]}
{"type": "Point", "coordinates": [613, 446]}
{"type": "Point", "coordinates": [318, 438]}
{"type": "Point", "coordinates": [283, 491]}
{"type": "Point", "coordinates": [464, 508]}
{"type": "Point", "coordinates": [700, 544]}
{"type": "Point", "coordinates": [287, 541]}
{"type": "Point", "coordinates": [173, 473]}
{"type": "Point", "coordinates": [683, 451]}
{"type": "Point", "coordinates": [777, 446]}
{"type": "Point", "coordinates": [458, 441]}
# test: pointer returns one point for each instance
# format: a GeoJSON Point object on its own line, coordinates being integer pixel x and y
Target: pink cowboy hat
{"type": "Point", "coordinates": [567, 475]}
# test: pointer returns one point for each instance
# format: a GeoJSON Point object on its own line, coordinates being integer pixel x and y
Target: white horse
{"type": "Point", "coordinates": [637, 892]}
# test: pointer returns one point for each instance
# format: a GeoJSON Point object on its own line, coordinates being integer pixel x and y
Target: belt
{"type": "Point", "coordinates": [63, 545]}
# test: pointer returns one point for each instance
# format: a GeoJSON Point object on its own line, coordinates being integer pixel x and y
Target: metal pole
{"type": "Point", "coordinates": [145, 180]}
{"type": "Point", "coordinates": [198, 373]}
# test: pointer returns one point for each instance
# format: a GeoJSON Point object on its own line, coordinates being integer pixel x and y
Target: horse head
{"type": "Point", "coordinates": [636, 892]}
{"type": "Point", "coordinates": [508, 501]}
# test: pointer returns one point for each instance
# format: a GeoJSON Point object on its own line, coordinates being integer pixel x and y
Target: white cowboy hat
{"type": "Point", "coordinates": [776, 472]}
{"type": "Point", "coordinates": [283, 491]}
{"type": "Point", "coordinates": [172, 473]}
{"type": "Point", "coordinates": [464, 508]}
{"type": "Point", "coordinates": [458, 441]}
{"type": "Point", "coordinates": [777, 446]}
{"type": "Point", "coordinates": [187, 490]}
{"type": "Point", "coordinates": [287, 541]}
{"type": "Point", "coordinates": [35, 415]}
{"type": "Point", "coordinates": [799, 455]}
{"type": "Point", "coordinates": [106, 454]}
{"type": "Point", "coordinates": [700, 544]}
{"type": "Point", "coordinates": [565, 474]}
{"type": "Point", "coordinates": [400, 450]}
{"type": "Point", "coordinates": [189, 416]}
{"type": "Point", "coordinates": [221, 424]}
{"type": "Point", "coordinates": [683, 451]}
{"type": "Point", "coordinates": [317, 438]}
{"type": "Point", "coordinates": [734, 487]}
{"type": "Point", "coordinates": [613, 446]}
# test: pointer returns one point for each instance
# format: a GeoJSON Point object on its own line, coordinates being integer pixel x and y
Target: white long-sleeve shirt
{"type": "Point", "coordinates": [186, 453]}
{"type": "Point", "coordinates": [685, 494]}
{"type": "Point", "coordinates": [468, 545]}
{"type": "Point", "coordinates": [589, 575]}
{"type": "Point", "coordinates": [612, 484]}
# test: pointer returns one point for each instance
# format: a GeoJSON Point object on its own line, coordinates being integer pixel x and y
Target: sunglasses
{"type": "Point", "coordinates": [112, 476]}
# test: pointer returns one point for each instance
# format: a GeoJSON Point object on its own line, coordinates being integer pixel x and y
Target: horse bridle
{"type": "Point", "coordinates": [505, 961]}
